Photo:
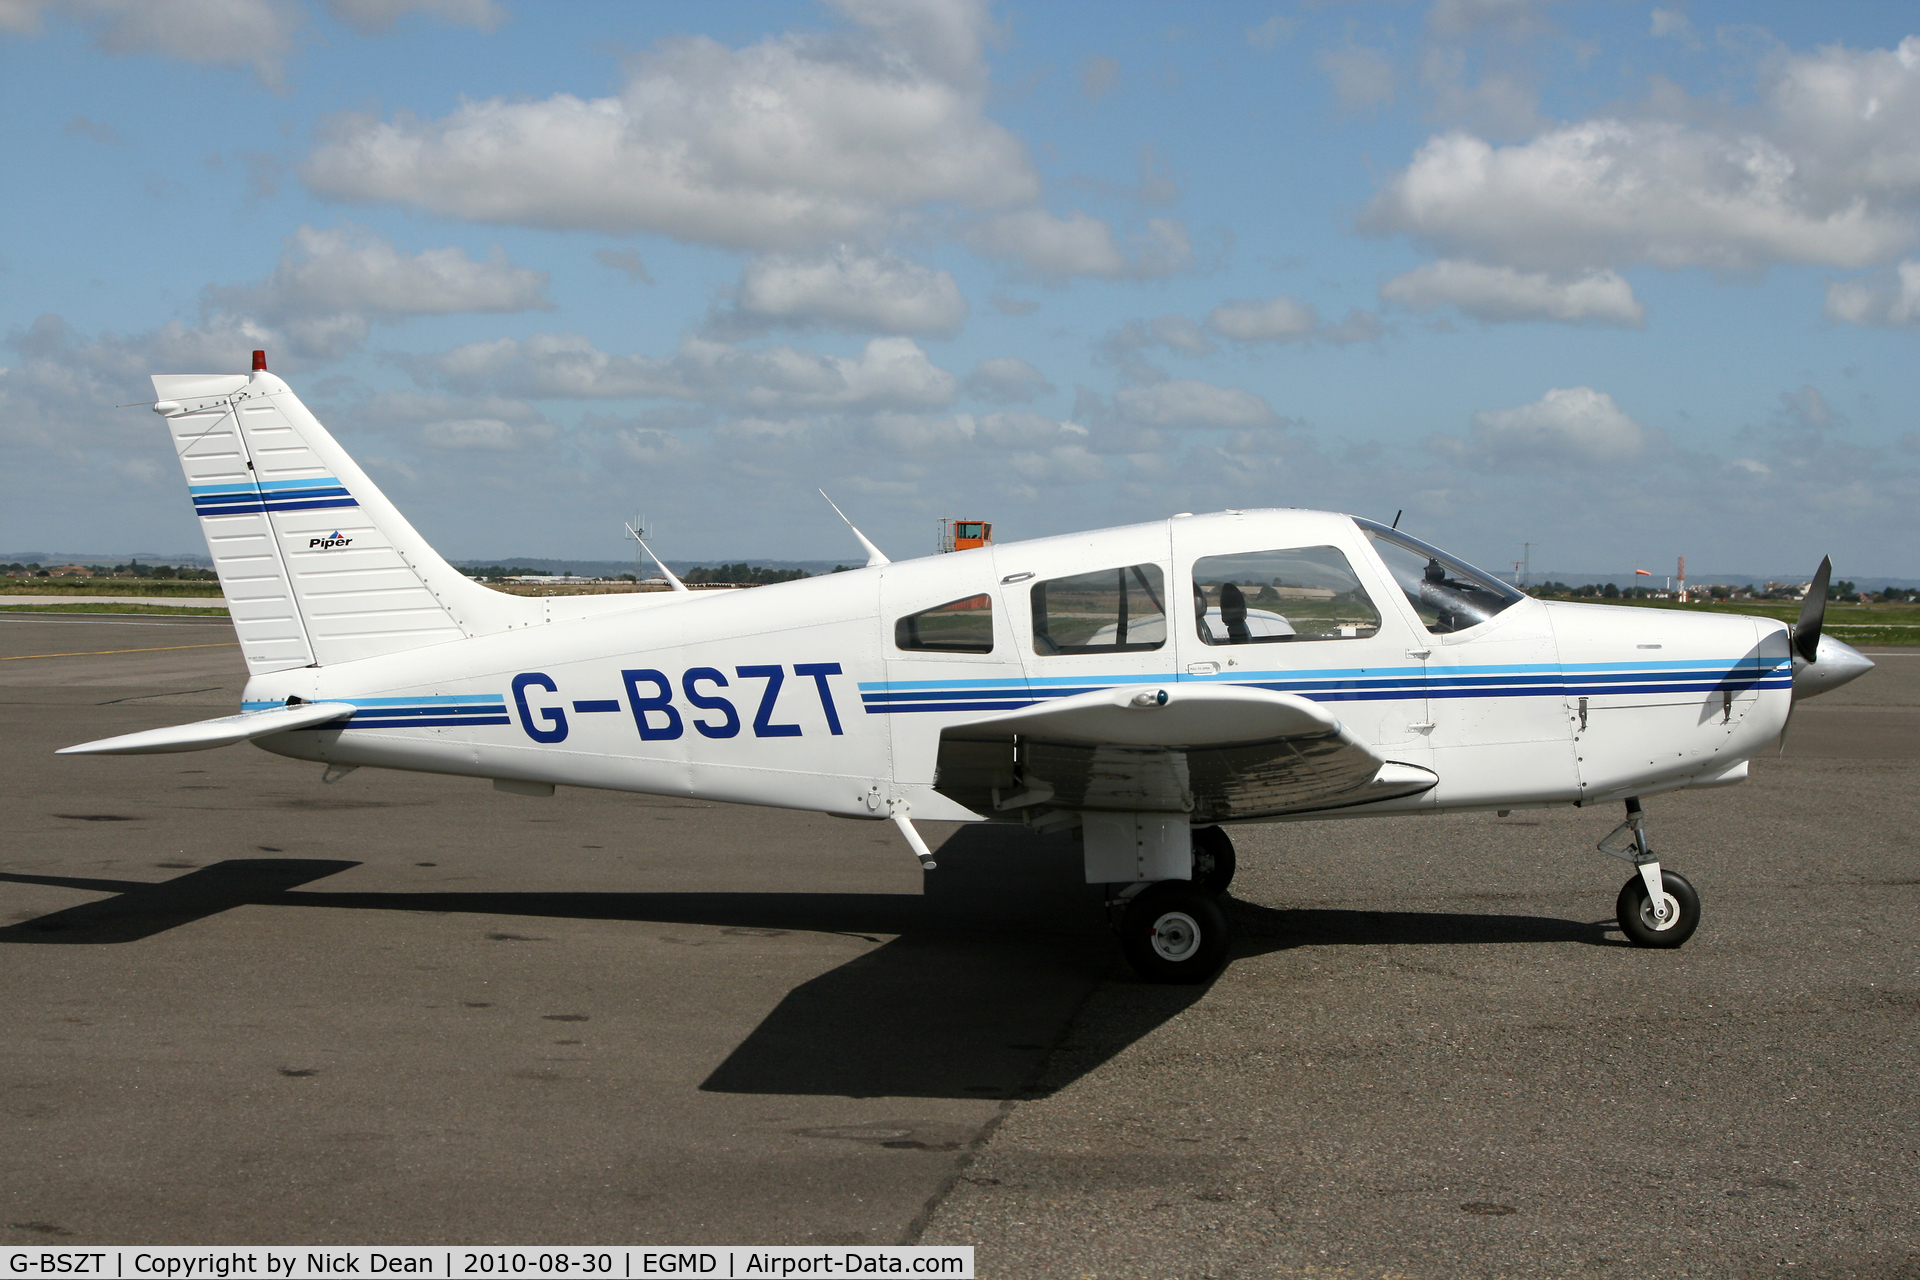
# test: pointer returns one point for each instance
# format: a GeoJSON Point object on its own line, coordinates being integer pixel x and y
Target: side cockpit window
{"type": "Point", "coordinates": [958, 626]}
{"type": "Point", "coordinates": [1113, 611]}
{"type": "Point", "coordinates": [1276, 597]}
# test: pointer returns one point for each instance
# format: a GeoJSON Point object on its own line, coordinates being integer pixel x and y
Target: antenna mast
{"type": "Point", "coordinates": [637, 532]}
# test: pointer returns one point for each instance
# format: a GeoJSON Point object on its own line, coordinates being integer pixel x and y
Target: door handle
{"type": "Point", "coordinates": [1203, 668]}
{"type": "Point", "coordinates": [1420, 653]}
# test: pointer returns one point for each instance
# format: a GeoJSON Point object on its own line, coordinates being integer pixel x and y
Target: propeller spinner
{"type": "Point", "coordinates": [1820, 662]}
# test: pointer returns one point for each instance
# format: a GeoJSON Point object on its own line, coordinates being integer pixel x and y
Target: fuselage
{"type": "Point", "coordinates": [824, 693]}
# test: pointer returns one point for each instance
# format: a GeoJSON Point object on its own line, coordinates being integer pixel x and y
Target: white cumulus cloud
{"type": "Point", "coordinates": [1007, 380]}
{"type": "Point", "coordinates": [1611, 192]}
{"type": "Point", "coordinates": [221, 33]}
{"type": "Point", "coordinates": [352, 270]}
{"type": "Point", "coordinates": [789, 144]}
{"type": "Point", "coordinates": [1567, 427]}
{"type": "Point", "coordinates": [1503, 293]}
{"type": "Point", "coordinates": [491, 435]}
{"type": "Point", "coordinates": [848, 290]}
{"type": "Point", "coordinates": [1185, 402]}
{"type": "Point", "coordinates": [373, 17]}
{"type": "Point", "coordinates": [1276, 319]}
{"type": "Point", "coordinates": [1823, 169]}
{"type": "Point", "coordinates": [1081, 245]}
{"type": "Point", "coordinates": [887, 374]}
{"type": "Point", "coordinates": [1891, 300]}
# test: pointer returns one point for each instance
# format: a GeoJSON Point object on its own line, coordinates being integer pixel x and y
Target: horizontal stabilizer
{"type": "Point", "coordinates": [205, 734]}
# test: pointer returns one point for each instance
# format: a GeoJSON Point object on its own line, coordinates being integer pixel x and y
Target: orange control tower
{"type": "Point", "coordinates": [964, 535]}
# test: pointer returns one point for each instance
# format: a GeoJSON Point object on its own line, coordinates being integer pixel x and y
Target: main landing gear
{"type": "Point", "coordinates": [1174, 930]}
{"type": "Point", "coordinates": [1656, 908]}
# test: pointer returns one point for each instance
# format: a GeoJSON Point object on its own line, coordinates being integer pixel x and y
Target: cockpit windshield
{"type": "Point", "coordinates": [1448, 593]}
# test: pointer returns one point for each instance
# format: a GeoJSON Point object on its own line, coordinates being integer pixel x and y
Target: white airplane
{"type": "Point", "coordinates": [1140, 688]}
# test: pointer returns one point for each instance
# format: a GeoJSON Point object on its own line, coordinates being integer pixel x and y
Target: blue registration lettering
{"type": "Point", "coordinates": [710, 702]}
{"type": "Point", "coordinates": [556, 730]}
{"type": "Point", "coordinates": [775, 677]}
{"type": "Point", "coordinates": [661, 702]}
{"type": "Point", "coordinates": [820, 671]}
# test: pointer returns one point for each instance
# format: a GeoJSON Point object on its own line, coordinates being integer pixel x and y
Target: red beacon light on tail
{"type": "Point", "coordinates": [259, 362]}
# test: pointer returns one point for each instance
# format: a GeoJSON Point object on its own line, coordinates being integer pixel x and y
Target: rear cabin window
{"type": "Point", "coordinates": [1113, 611]}
{"type": "Point", "coordinates": [1278, 597]}
{"type": "Point", "coordinates": [958, 626]}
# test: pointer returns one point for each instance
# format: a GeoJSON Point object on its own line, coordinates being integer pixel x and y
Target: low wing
{"type": "Point", "coordinates": [205, 734]}
{"type": "Point", "coordinates": [1217, 752]}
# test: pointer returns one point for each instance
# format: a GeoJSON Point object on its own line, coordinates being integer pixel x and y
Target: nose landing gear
{"type": "Point", "coordinates": [1656, 908]}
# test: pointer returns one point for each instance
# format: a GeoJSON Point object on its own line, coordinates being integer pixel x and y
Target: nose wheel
{"type": "Point", "coordinates": [1668, 924]}
{"type": "Point", "coordinates": [1656, 908]}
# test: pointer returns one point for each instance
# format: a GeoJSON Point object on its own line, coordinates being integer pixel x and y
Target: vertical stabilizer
{"type": "Point", "coordinates": [317, 566]}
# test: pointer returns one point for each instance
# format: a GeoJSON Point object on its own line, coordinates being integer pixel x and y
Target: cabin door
{"type": "Point", "coordinates": [1302, 610]}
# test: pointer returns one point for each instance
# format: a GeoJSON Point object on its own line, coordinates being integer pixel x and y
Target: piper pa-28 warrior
{"type": "Point", "coordinates": [1141, 688]}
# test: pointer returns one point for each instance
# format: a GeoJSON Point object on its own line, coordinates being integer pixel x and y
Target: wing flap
{"type": "Point", "coordinates": [204, 735]}
{"type": "Point", "coordinates": [1217, 752]}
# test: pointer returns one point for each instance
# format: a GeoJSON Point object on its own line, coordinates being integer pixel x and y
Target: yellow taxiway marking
{"type": "Point", "coordinates": [94, 653]}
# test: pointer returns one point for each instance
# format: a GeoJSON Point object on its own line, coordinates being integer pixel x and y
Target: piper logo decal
{"type": "Point", "coordinates": [329, 542]}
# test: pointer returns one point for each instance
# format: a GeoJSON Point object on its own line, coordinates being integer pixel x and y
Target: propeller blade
{"type": "Point", "coordinates": [1806, 632]}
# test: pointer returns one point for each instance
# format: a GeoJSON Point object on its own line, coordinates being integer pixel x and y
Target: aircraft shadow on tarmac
{"type": "Point", "coordinates": [978, 987]}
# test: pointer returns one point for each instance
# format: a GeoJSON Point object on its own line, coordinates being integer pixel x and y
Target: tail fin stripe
{"type": "Point", "coordinates": [311, 482]}
{"type": "Point", "coordinates": [254, 508]}
{"type": "Point", "coordinates": [240, 495]}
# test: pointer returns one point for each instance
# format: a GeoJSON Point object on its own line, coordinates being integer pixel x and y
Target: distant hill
{"type": "Point", "coordinates": [1626, 578]}
{"type": "Point", "coordinates": [175, 558]}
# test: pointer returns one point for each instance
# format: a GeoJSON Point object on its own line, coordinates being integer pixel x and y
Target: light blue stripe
{"type": "Point", "coordinates": [314, 483]}
{"type": "Point", "coordinates": [1706, 666]}
{"type": "Point", "coordinates": [318, 482]}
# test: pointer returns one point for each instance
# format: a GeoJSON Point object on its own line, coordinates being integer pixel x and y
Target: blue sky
{"type": "Point", "coordinates": [1624, 281]}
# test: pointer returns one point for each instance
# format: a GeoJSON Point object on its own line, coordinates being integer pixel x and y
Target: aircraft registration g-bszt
{"type": "Point", "coordinates": [1142, 688]}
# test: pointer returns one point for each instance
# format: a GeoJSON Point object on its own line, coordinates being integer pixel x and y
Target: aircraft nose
{"type": "Point", "coordinates": [1834, 663]}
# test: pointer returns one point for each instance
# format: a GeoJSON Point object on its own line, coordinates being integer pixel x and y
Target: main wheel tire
{"type": "Point", "coordinates": [1635, 908]}
{"type": "Point", "coordinates": [1213, 860]}
{"type": "Point", "coordinates": [1174, 932]}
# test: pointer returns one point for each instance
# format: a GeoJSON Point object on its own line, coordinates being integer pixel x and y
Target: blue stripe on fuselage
{"type": "Point", "coordinates": [1363, 684]}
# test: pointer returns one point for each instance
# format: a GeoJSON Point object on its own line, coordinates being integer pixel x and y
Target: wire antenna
{"type": "Point", "coordinates": [874, 554]}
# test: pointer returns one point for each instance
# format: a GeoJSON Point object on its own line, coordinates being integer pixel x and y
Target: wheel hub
{"type": "Point", "coordinates": [1176, 936]}
{"type": "Point", "coordinates": [1654, 920]}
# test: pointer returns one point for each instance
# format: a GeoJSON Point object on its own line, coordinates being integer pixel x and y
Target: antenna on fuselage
{"type": "Point", "coordinates": [1396, 518]}
{"type": "Point", "coordinates": [672, 581]}
{"type": "Point", "coordinates": [874, 555]}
